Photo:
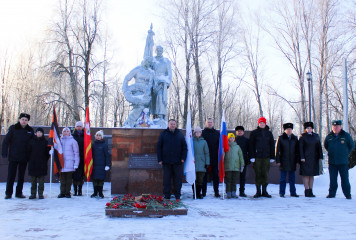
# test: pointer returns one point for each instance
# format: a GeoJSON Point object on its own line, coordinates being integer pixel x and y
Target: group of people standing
{"type": "Point", "coordinates": [23, 146]}
{"type": "Point", "coordinates": [259, 149]}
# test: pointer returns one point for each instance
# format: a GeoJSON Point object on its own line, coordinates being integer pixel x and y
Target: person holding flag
{"type": "Point", "coordinates": [78, 175]}
{"type": "Point", "coordinates": [262, 153]}
{"type": "Point", "coordinates": [202, 160]}
{"type": "Point", "coordinates": [223, 148]}
{"type": "Point", "coordinates": [71, 162]}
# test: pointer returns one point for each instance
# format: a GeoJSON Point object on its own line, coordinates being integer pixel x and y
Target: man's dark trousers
{"type": "Point", "coordinates": [343, 169]}
{"type": "Point", "coordinates": [175, 171]}
{"type": "Point", "coordinates": [216, 180]}
{"type": "Point", "coordinates": [12, 169]}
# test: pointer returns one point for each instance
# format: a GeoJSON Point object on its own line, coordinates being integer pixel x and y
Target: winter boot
{"type": "Point", "coordinates": [33, 196]}
{"type": "Point", "coordinates": [100, 190]}
{"type": "Point", "coordinates": [242, 194]}
{"type": "Point", "coordinates": [306, 192]}
{"type": "Point", "coordinates": [40, 196]}
{"type": "Point", "coordinates": [199, 196]}
{"type": "Point", "coordinates": [311, 193]}
{"type": "Point", "coordinates": [75, 189]}
{"type": "Point", "coordinates": [233, 195]}
{"type": "Point", "coordinates": [258, 192]}
{"type": "Point", "coordinates": [80, 190]}
{"type": "Point", "coordinates": [95, 192]}
{"type": "Point", "coordinates": [264, 192]}
{"type": "Point", "coordinates": [61, 195]}
{"type": "Point", "coordinates": [228, 195]}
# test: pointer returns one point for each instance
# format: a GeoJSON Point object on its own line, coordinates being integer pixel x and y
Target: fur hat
{"type": "Point", "coordinates": [39, 129]}
{"type": "Point", "coordinates": [262, 119]}
{"type": "Point", "coordinates": [230, 135]}
{"type": "Point", "coordinates": [308, 124]}
{"type": "Point", "coordinates": [25, 115]}
{"type": "Point", "coordinates": [197, 129]}
{"type": "Point", "coordinates": [287, 125]}
{"type": "Point", "coordinates": [79, 123]}
{"type": "Point", "coordinates": [239, 128]}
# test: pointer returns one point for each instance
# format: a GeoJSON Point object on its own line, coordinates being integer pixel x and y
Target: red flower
{"type": "Point", "coordinates": [108, 204]}
{"type": "Point", "coordinates": [115, 198]}
{"type": "Point", "coordinates": [114, 206]}
{"type": "Point", "coordinates": [177, 200]}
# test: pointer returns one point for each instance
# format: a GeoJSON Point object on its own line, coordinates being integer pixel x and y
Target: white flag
{"type": "Point", "coordinates": [189, 165]}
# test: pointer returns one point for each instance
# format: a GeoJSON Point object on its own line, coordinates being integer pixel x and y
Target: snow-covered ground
{"type": "Point", "coordinates": [210, 218]}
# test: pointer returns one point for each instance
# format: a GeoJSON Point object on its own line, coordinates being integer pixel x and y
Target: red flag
{"type": "Point", "coordinates": [55, 142]}
{"type": "Point", "coordinates": [223, 147]}
{"type": "Point", "coordinates": [88, 156]}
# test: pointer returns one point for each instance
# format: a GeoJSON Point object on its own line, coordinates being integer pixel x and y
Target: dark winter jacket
{"type": "Point", "coordinates": [15, 143]}
{"type": "Point", "coordinates": [261, 143]}
{"type": "Point", "coordinates": [339, 147]}
{"type": "Point", "coordinates": [171, 147]}
{"type": "Point", "coordinates": [38, 151]}
{"type": "Point", "coordinates": [243, 144]}
{"type": "Point", "coordinates": [212, 136]}
{"type": "Point", "coordinates": [287, 152]}
{"type": "Point", "coordinates": [78, 175]}
{"type": "Point", "coordinates": [310, 150]}
{"type": "Point", "coordinates": [101, 159]}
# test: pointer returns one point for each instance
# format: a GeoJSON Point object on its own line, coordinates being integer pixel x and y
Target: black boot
{"type": "Point", "coordinates": [95, 192]}
{"type": "Point", "coordinates": [311, 193]}
{"type": "Point", "coordinates": [100, 190]}
{"type": "Point", "coordinates": [258, 191]}
{"type": "Point", "coordinates": [242, 194]}
{"type": "Point", "coordinates": [80, 190]}
{"type": "Point", "coordinates": [264, 192]}
{"type": "Point", "coordinates": [75, 189]}
{"type": "Point", "coordinates": [199, 196]}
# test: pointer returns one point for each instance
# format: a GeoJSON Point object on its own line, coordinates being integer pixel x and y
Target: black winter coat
{"type": "Point", "coordinates": [101, 158]}
{"type": "Point", "coordinates": [38, 151]}
{"type": "Point", "coordinates": [243, 143]}
{"type": "Point", "coordinates": [171, 147]}
{"type": "Point", "coordinates": [212, 137]}
{"type": "Point", "coordinates": [15, 143]}
{"type": "Point", "coordinates": [287, 152]}
{"type": "Point", "coordinates": [78, 175]}
{"type": "Point", "coordinates": [261, 143]}
{"type": "Point", "coordinates": [310, 150]}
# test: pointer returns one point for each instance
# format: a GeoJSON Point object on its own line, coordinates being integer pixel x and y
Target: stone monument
{"type": "Point", "coordinates": [148, 93]}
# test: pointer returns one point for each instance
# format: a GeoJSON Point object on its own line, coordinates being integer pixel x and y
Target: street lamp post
{"type": "Point", "coordinates": [309, 78]}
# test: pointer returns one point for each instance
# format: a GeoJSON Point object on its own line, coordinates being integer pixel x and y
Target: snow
{"type": "Point", "coordinates": [210, 218]}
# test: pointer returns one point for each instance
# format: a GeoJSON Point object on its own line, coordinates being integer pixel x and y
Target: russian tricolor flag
{"type": "Point", "coordinates": [223, 147]}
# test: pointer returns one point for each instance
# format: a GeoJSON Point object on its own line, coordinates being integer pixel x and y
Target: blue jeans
{"type": "Point", "coordinates": [283, 183]}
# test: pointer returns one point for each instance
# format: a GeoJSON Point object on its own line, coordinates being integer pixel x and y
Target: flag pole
{"type": "Point", "coordinates": [223, 188]}
{"type": "Point", "coordinates": [50, 176]}
{"type": "Point", "coordinates": [195, 191]}
{"type": "Point", "coordinates": [87, 189]}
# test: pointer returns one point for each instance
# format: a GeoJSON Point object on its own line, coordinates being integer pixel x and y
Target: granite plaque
{"type": "Point", "coordinates": [143, 161]}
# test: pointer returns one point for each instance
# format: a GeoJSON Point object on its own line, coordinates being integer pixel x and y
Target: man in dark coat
{"type": "Point", "coordinates": [212, 136]}
{"type": "Point", "coordinates": [287, 157]}
{"type": "Point", "coordinates": [261, 145]}
{"type": "Point", "coordinates": [339, 145]}
{"type": "Point", "coordinates": [14, 146]}
{"type": "Point", "coordinates": [38, 151]}
{"type": "Point", "coordinates": [171, 153]}
{"type": "Point", "coordinates": [78, 175]}
{"type": "Point", "coordinates": [242, 141]}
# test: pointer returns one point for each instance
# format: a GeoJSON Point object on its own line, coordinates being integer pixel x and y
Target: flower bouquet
{"type": "Point", "coordinates": [144, 205]}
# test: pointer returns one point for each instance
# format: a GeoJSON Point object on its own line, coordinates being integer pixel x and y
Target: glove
{"type": "Point", "coordinates": [242, 169]}
{"type": "Point", "coordinates": [51, 152]}
{"type": "Point", "coordinates": [107, 168]}
{"type": "Point", "coordinates": [252, 160]}
{"type": "Point", "coordinates": [271, 160]}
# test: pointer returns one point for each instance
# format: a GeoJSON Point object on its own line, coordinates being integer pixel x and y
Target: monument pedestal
{"type": "Point", "coordinates": [135, 169]}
